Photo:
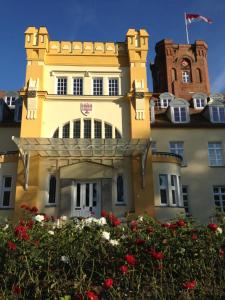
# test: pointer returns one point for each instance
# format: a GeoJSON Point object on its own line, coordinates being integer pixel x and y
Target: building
{"type": "Point", "coordinates": [93, 137]}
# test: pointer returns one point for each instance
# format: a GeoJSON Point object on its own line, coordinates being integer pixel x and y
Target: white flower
{"type": "Point", "coordinates": [114, 242]}
{"type": "Point", "coordinates": [39, 218]}
{"type": "Point", "coordinates": [51, 232]}
{"type": "Point", "coordinates": [219, 230]}
{"type": "Point", "coordinates": [63, 218]}
{"type": "Point", "coordinates": [65, 259]}
{"type": "Point", "coordinates": [102, 221]}
{"type": "Point", "coordinates": [106, 235]}
{"type": "Point", "coordinates": [140, 218]}
{"type": "Point", "coordinates": [6, 227]}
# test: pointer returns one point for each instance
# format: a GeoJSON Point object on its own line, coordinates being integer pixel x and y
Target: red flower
{"type": "Point", "coordinates": [166, 225]}
{"type": "Point", "coordinates": [221, 253]}
{"type": "Point", "coordinates": [91, 295]}
{"type": "Point", "coordinates": [11, 245]}
{"type": "Point", "coordinates": [212, 226]}
{"type": "Point", "coordinates": [181, 223]}
{"type": "Point", "coordinates": [149, 229]}
{"type": "Point", "coordinates": [130, 259]}
{"type": "Point", "coordinates": [25, 206]}
{"type": "Point", "coordinates": [190, 285]}
{"type": "Point", "coordinates": [104, 213]}
{"type": "Point", "coordinates": [34, 209]}
{"type": "Point", "coordinates": [30, 224]}
{"type": "Point", "coordinates": [194, 237]}
{"type": "Point", "coordinates": [134, 225]}
{"type": "Point", "coordinates": [16, 289]}
{"type": "Point", "coordinates": [124, 269]}
{"type": "Point", "coordinates": [157, 255]}
{"type": "Point", "coordinates": [108, 283]}
{"type": "Point", "coordinates": [21, 232]}
{"type": "Point", "coordinates": [139, 241]}
{"type": "Point", "coordinates": [116, 222]}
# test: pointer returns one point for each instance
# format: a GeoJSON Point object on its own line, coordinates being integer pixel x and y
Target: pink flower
{"type": "Point", "coordinates": [108, 283]}
{"type": "Point", "coordinates": [130, 259]}
{"type": "Point", "coordinates": [212, 226]}
{"type": "Point", "coordinates": [124, 269]}
{"type": "Point", "coordinates": [190, 285]}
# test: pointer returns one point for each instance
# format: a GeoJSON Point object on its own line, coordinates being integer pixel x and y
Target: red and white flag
{"type": "Point", "coordinates": [195, 18]}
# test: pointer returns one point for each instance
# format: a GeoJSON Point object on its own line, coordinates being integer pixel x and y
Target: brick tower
{"type": "Point", "coordinates": [180, 69]}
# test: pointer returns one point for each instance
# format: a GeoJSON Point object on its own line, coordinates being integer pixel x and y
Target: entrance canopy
{"type": "Point", "coordinates": [61, 147]}
{"type": "Point", "coordinates": [81, 148]}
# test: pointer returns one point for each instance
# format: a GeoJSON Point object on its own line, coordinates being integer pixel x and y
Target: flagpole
{"type": "Point", "coordinates": [186, 28]}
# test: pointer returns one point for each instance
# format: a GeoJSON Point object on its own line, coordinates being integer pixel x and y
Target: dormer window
{"type": "Point", "coordinates": [216, 109]}
{"type": "Point", "coordinates": [200, 101]}
{"type": "Point", "coordinates": [165, 99]}
{"type": "Point", "coordinates": [218, 114]}
{"type": "Point", "coordinates": [179, 111]}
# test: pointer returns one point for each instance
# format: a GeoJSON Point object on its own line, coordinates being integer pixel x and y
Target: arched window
{"type": "Point", "coordinates": [56, 133]}
{"type": "Point", "coordinates": [117, 134]}
{"type": "Point", "coordinates": [66, 131]}
{"type": "Point", "coordinates": [76, 129]}
{"type": "Point", "coordinates": [120, 189]}
{"type": "Point", "coordinates": [186, 71]}
{"type": "Point", "coordinates": [52, 190]}
{"type": "Point", "coordinates": [98, 129]}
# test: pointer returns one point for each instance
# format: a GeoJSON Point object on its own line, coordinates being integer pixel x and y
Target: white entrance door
{"type": "Point", "coordinates": [86, 200]}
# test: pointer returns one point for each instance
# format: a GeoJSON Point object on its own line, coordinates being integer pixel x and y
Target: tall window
{"type": "Point", "coordinates": [185, 199]}
{"type": "Point", "coordinates": [98, 86]}
{"type": "Point", "coordinates": [163, 186]}
{"type": "Point", "coordinates": [52, 190]}
{"type": "Point", "coordinates": [177, 148]}
{"type": "Point", "coordinates": [174, 189]}
{"type": "Point", "coordinates": [186, 76]}
{"type": "Point", "coordinates": [78, 86]}
{"type": "Point", "coordinates": [66, 131]}
{"type": "Point", "coordinates": [215, 151]}
{"type": "Point", "coordinates": [76, 129]}
{"type": "Point", "coordinates": [218, 114]}
{"type": "Point", "coordinates": [108, 131]}
{"type": "Point", "coordinates": [113, 87]}
{"type": "Point", "coordinates": [62, 86]}
{"type": "Point", "coordinates": [87, 129]}
{"type": "Point", "coordinates": [98, 129]}
{"type": "Point", "coordinates": [6, 191]}
{"type": "Point", "coordinates": [120, 189]}
{"type": "Point", "coordinates": [180, 114]}
{"type": "Point", "coordinates": [219, 197]}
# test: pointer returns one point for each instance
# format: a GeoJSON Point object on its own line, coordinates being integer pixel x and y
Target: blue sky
{"type": "Point", "coordinates": [105, 20]}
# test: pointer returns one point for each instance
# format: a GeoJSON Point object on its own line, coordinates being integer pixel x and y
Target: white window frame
{"type": "Point", "coordinates": [82, 90]}
{"type": "Point", "coordinates": [177, 149]}
{"type": "Point", "coordinates": [180, 113]}
{"type": "Point", "coordinates": [218, 155]}
{"type": "Point", "coordinates": [6, 189]}
{"type": "Point", "coordinates": [169, 190]}
{"type": "Point", "coordinates": [200, 103]}
{"type": "Point", "coordinates": [57, 79]}
{"type": "Point", "coordinates": [97, 78]}
{"type": "Point", "coordinates": [218, 114]}
{"type": "Point", "coordinates": [220, 200]}
{"type": "Point", "coordinates": [118, 89]}
{"type": "Point", "coordinates": [164, 102]}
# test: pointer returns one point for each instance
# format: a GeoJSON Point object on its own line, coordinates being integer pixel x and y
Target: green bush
{"type": "Point", "coordinates": [105, 259]}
